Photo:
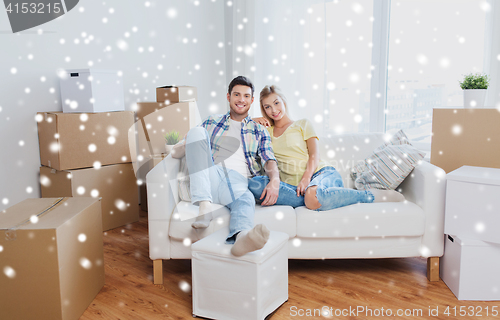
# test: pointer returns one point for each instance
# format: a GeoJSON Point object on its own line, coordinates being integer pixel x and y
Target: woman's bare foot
{"type": "Point", "coordinates": [386, 195]}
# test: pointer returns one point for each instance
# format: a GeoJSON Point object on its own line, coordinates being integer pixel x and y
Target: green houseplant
{"type": "Point", "coordinates": [474, 86]}
{"type": "Point", "coordinates": [171, 138]}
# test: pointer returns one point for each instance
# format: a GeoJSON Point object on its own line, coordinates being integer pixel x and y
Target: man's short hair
{"type": "Point", "coordinates": [240, 80]}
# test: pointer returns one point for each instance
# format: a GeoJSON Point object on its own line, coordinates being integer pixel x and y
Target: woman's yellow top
{"type": "Point", "coordinates": [290, 149]}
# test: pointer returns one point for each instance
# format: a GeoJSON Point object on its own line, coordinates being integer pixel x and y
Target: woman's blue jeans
{"type": "Point", "coordinates": [331, 193]}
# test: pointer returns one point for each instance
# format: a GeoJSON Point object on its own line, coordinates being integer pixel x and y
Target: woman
{"type": "Point", "coordinates": [305, 179]}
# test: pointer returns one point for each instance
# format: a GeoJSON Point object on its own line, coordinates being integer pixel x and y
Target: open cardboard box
{"type": "Point", "coordinates": [116, 184]}
{"type": "Point", "coordinates": [51, 257]}
{"type": "Point", "coordinates": [156, 119]}
{"type": "Point", "coordinates": [176, 94]}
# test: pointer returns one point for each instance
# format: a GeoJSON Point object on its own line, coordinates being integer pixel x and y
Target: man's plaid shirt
{"type": "Point", "coordinates": [255, 140]}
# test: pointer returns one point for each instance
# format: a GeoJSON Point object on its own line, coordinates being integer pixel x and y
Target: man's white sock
{"type": "Point", "coordinates": [250, 240]}
{"type": "Point", "coordinates": [204, 215]}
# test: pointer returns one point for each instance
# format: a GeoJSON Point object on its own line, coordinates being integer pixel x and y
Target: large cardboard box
{"type": "Point", "coordinates": [72, 141]}
{"type": "Point", "coordinates": [469, 267]}
{"type": "Point", "coordinates": [175, 94]}
{"type": "Point", "coordinates": [465, 137]}
{"type": "Point", "coordinates": [473, 203]}
{"type": "Point", "coordinates": [143, 171]}
{"type": "Point", "coordinates": [116, 184]}
{"type": "Point", "coordinates": [156, 119]}
{"type": "Point", "coordinates": [91, 90]}
{"type": "Point", "coordinates": [51, 258]}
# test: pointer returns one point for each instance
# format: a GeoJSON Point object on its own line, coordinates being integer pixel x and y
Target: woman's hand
{"type": "Point", "coordinates": [301, 188]}
{"type": "Point", "coordinates": [263, 121]}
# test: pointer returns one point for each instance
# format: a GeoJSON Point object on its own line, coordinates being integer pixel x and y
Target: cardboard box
{"type": "Point", "coordinates": [143, 171]}
{"type": "Point", "coordinates": [72, 141]}
{"type": "Point", "coordinates": [51, 268]}
{"type": "Point", "coordinates": [175, 94]}
{"type": "Point", "coordinates": [472, 203]}
{"type": "Point", "coordinates": [91, 90]}
{"type": "Point", "coordinates": [156, 119]}
{"type": "Point", "coordinates": [116, 184]}
{"type": "Point", "coordinates": [470, 267]}
{"type": "Point", "coordinates": [465, 137]}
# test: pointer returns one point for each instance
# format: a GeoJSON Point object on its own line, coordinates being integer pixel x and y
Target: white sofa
{"type": "Point", "coordinates": [413, 228]}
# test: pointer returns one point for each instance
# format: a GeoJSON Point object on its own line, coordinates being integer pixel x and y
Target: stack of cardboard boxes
{"type": "Point", "coordinates": [471, 257]}
{"type": "Point", "coordinates": [466, 144]}
{"type": "Point", "coordinates": [175, 109]}
{"type": "Point", "coordinates": [84, 151]}
{"type": "Point", "coordinates": [52, 248]}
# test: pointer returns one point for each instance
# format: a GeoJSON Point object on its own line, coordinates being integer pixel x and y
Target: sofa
{"type": "Point", "coordinates": [413, 228]}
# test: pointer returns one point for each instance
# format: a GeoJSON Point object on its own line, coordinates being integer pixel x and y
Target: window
{"type": "Point", "coordinates": [432, 44]}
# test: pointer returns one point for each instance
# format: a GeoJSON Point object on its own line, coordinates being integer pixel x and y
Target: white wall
{"type": "Point", "coordinates": [162, 30]}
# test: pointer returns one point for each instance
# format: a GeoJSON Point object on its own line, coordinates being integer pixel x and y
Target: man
{"type": "Point", "coordinates": [221, 154]}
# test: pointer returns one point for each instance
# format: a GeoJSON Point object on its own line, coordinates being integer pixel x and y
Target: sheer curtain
{"type": "Point", "coordinates": [318, 52]}
{"type": "Point", "coordinates": [492, 54]}
{"type": "Point", "coordinates": [290, 53]}
{"type": "Point", "coordinates": [331, 57]}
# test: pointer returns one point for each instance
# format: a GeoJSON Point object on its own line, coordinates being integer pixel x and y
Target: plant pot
{"type": "Point", "coordinates": [474, 98]}
{"type": "Point", "coordinates": [168, 148]}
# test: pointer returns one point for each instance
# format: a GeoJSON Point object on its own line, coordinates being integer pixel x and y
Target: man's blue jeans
{"type": "Point", "coordinates": [331, 193]}
{"type": "Point", "coordinates": [217, 184]}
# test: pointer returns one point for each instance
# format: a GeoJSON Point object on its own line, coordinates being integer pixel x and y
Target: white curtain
{"type": "Point", "coordinates": [492, 54]}
{"type": "Point", "coordinates": [318, 52]}
{"type": "Point", "coordinates": [276, 42]}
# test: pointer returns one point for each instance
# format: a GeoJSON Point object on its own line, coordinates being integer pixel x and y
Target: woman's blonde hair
{"type": "Point", "coordinates": [266, 92]}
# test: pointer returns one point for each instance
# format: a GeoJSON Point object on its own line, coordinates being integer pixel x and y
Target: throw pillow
{"type": "Point", "coordinates": [388, 165]}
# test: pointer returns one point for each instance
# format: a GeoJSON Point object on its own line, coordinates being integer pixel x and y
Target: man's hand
{"type": "Point", "coordinates": [263, 121]}
{"type": "Point", "coordinates": [271, 192]}
{"type": "Point", "coordinates": [301, 188]}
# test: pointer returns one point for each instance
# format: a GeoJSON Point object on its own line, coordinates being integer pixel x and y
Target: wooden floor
{"type": "Point", "coordinates": [396, 284]}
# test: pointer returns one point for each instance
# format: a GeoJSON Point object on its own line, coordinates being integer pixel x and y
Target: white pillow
{"type": "Point", "coordinates": [388, 165]}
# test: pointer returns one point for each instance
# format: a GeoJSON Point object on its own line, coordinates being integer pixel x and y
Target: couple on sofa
{"type": "Point", "coordinates": [227, 156]}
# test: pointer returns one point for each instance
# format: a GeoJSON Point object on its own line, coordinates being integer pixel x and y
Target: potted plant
{"type": "Point", "coordinates": [171, 138]}
{"type": "Point", "coordinates": [474, 86]}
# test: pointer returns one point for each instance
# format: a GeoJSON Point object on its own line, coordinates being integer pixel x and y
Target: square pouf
{"type": "Point", "coordinates": [248, 287]}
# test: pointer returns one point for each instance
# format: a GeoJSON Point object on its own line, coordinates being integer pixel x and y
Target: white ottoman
{"type": "Point", "coordinates": [248, 287]}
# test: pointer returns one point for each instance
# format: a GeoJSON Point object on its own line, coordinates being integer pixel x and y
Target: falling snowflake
{"type": "Point", "coordinates": [80, 190]}
{"type": "Point", "coordinates": [85, 263]}
{"type": "Point", "coordinates": [279, 215]}
{"type": "Point", "coordinates": [9, 272]}
{"type": "Point", "coordinates": [184, 286]}
{"type": "Point", "coordinates": [171, 13]}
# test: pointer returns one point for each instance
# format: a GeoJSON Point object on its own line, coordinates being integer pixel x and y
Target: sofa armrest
{"type": "Point", "coordinates": [163, 197]}
{"type": "Point", "coordinates": [426, 187]}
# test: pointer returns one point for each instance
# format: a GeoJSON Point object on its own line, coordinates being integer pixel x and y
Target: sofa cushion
{"type": "Point", "coordinates": [388, 165]}
{"type": "Point", "coordinates": [277, 218]}
{"type": "Point", "coordinates": [362, 220]}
